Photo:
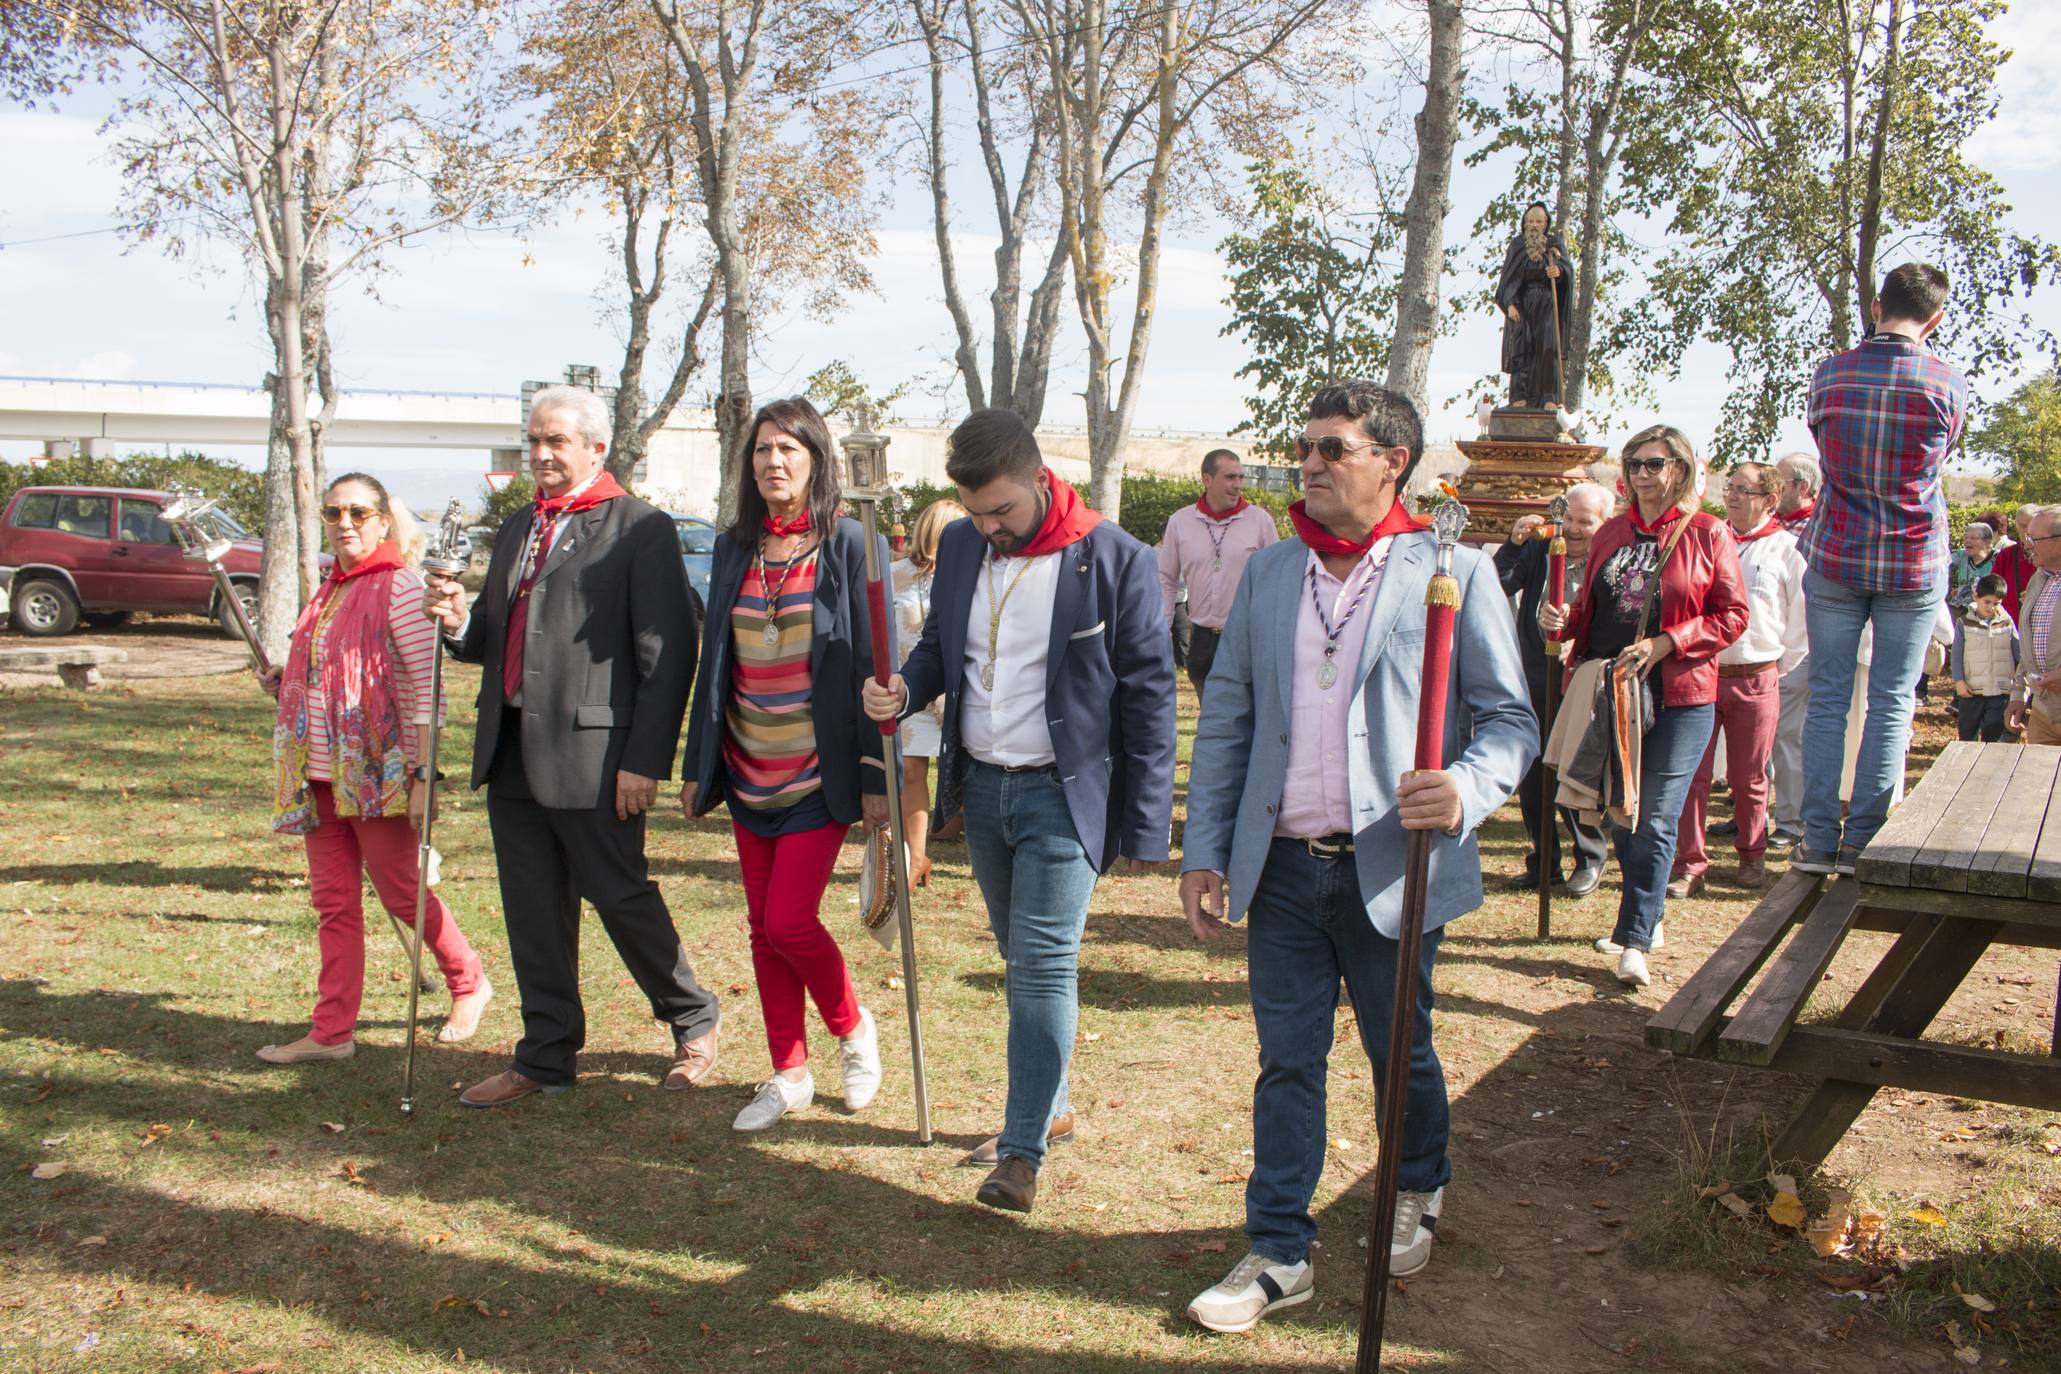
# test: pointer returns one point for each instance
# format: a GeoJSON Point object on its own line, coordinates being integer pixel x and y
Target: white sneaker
{"type": "Point", "coordinates": [1416, 1226]}
{"type": "Point", "coordinates": [1606, 945]}
{"type": "Point", "coordinates": [1631, 969]}
{"type": "Point", "coordinates": [861, 1051]}
{"type": "Point", "coordinates": [776, 1097]}
{"type": "Point", "coordinates": [1255, 1286]}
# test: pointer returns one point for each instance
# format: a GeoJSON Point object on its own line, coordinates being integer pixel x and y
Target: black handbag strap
{"type": "Point", "coordinates": [1667, 549]}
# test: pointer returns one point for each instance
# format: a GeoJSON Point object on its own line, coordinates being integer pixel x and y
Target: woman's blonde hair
{"type": "Point", "coordinates": [1681, 485]}
{"type": "Point", "coordinates": [403, 529]}
{"type": "Point", "coordinates": [930, 527]}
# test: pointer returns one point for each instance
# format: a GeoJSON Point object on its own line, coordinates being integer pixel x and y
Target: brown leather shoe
{"type": "Point", "coordinates": [1688, 885]}
{"type": "Point", "coordinates": [506, 1087]}
{"type": "Point", "coordinates": [693, 1061]}
{"type": "Point", "coordinates": [985, 1155]}
{"type": "Point", "coordinates": [1012, 1187]}
{"type": "Point", "coordinates": [1752, 873]}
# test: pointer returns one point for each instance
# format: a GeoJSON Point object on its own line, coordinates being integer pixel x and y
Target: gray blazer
{"type": "Point", "coordinates": [2030, 669]}
{"type": "Point", "coordinates": [608, 652]}
{"type": "Point", "coordinates": [1240, 761]}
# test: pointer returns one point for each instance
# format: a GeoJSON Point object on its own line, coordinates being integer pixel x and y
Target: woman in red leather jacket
{"type": "Point", "coordinates": [1702, 609]}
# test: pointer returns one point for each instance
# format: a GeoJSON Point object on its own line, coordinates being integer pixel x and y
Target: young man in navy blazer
{"type": "Point", "coordinates": [1047, 640]}
{"type": "Point", "coordinates": [1301, 794]}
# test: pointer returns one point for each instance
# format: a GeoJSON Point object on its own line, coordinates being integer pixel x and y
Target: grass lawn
{"type": "Point", "coordinates": [216, 1214]}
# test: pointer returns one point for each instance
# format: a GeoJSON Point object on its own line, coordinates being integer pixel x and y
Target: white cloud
{"type": "Point", "coordinates": [107, 364]}
{"type": "Point", "coordinates": [2021, 138]}
{"type": "Point", "coordinates": [57, 169]}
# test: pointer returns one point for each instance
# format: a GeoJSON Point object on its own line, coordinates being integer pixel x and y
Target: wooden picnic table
{"type": "Point", "coordinates": [1971, 859]}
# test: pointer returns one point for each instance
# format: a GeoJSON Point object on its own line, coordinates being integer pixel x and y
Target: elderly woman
{"type": "Point", "coordinates": [1973, 561]}
{"type": "Point", "coordinates": [776, 733]}
{"type": "Point", "coordinates": [1663, 593]}
{"type": "Point", "coordinates": [349, 752]}
{"type": "Point", "coordinates": [923, 732]}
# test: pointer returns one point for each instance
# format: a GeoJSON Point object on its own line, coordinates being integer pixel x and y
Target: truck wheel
{"type": "Point", "coordinates": [247, 593]}
{"type": "Point", "coordinates": [42, 607]}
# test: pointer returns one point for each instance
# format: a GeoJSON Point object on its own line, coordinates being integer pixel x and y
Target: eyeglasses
{"type": "Point", "coordinates": [1747, 491]}
{"type": "Point", "coordinates": [1656, 466]}
{"type": "Point", "coordinates": [1332, 448]}
{"type": "Point", "coordinates": [334, 515]}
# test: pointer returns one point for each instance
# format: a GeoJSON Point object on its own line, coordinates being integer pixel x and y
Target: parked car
{"type": "Point", "coordinates": [97, 554]}
{"type": "Point", "coordinates": [697, 551]}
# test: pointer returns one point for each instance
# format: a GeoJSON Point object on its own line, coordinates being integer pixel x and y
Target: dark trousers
{"type": "Point", "coordinates": [1981, 717]}
{"type": "Point", "coordinates": [1588, 841]}
{"type": "Point", "coordinates": [1202, 652]}
{"type": "Point", "coordinates": [550, 859]}
{"type": "Point", "coordinates": [1181, 628]}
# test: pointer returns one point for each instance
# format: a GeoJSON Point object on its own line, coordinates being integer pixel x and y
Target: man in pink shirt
{"type": "Point", "coordinates": [1207, 546]}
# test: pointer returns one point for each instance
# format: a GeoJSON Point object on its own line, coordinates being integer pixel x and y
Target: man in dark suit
{"type": "Point", "coordinates": [1521, 567]}
{"type": "Point", "coordinates": [589, 638]}
{"type": "Point", "coordinates": [1047, 639]}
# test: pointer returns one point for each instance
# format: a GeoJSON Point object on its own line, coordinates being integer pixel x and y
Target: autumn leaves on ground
{"type": "Point", "coordinates": [172, 1205]}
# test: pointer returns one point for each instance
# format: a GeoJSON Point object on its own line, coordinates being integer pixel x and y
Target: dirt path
{"type": "Point", "coordinates": [159, 646]}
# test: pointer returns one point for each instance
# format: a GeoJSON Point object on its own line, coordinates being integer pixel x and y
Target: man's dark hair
{"type": "Point", "coordinates": [1913, 292]}
{"type": "Point", "coordinates": [799, 420]}
{"type": "Point", "coordinates": [1385, 416]}
{"type": "Point", "coordinates": [990, 444]}
{"type": "Point", "coordinates": [1214, 459]}
{"type": "Point", "coordinates": [1991, 584]}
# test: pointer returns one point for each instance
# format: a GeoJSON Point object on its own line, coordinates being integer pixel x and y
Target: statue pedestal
{"type": "Point", "coordinates": [1506, 478]}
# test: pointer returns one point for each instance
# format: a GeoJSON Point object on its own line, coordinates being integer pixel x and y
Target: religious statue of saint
{"type": "Point", "coordinates": [1534, 298]}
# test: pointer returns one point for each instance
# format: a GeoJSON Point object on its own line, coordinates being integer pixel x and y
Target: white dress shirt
{"type": "Point", "coordinates": [1006, 726]}
{"type": "Point", "coordinates": [1775, 630]}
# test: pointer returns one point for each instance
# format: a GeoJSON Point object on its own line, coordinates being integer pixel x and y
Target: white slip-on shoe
{"type": "Point", "coordinates": [1255, 1286]}
{"type": "Point", "coordinates": [1606, 945]}
{"type": "Point", "coordinates": [775, 1098]}
{"type": "Point", "coordinates": [1416, 1226]}
{"type": "Point", "coordinates": [861, 1053]}
{"type": "Point", "coordinates": [1631, 969]}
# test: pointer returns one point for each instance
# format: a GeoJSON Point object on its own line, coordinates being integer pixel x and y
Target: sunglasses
{"type": "Point", "coordinates": [1656, 466]}
{"type": "Point", "coordinates": [1332, 448]}
{"type": "Point", "coordinates": [334, 515]}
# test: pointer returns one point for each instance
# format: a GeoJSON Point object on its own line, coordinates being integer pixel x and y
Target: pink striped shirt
{"type": "Point", "coordinates": [412, 638]}
{"type": "Point", "coordinates": [1316, 799]}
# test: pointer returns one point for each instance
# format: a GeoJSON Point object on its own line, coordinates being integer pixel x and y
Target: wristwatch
{"type": "Point", "coordinates": [419, 773]}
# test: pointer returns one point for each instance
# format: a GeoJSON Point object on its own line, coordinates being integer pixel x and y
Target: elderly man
{"type": "Point", "coordinates": [1300, 801]}
{"type": "Point", "coordinates": [1059, 718]}
{"type": "Point", "coordinates": [1748, 700]}
{"type": "Point", "coordinates": [2036, 699]}
{"type": "Point", "coordinates": [1521, 567]}
{"type": "Point", "coordinates": [589, 642]}
{"type": "Point", "coordinates": [1797, 481]}
{"type": "Point", "coordinates": [1205, 547]}
{"type": "Point", "coordinates": [1886, 413]}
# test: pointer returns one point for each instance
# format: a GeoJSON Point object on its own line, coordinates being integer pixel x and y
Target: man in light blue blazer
{"type": "Point", "coordinates": [1300, 794]}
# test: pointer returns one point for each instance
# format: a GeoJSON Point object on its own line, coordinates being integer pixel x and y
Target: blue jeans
{"type": "Point", "coordinates": [1836, 614]}
{"type": "Point", "coordinates": [1646, 856]}
{"type": "Point", "coordinates": [1307, 928]}
{"type": "Point", "coordinates": [1036, 879]}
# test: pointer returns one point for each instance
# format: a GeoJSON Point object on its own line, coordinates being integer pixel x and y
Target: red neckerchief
{"type": "Point", "coordinates": [1067, 519]}
{"type": "Point", "coordinates": [1322, 541]}
{"type": "Point", "coordinates": [1799, 515]}
{"type": "Point", "coordinates": [604, 487]}
{"type": "Point", "coordinates": [777, 527]}
{"type": "Point", "coordinates": [1672, 514]}
{"type": "Point", "coordinates": [1202, 505]}
{"type": "Point", "coordinates": [384, 556]}
{"type": "Point", "coordinates": [1767, 527]}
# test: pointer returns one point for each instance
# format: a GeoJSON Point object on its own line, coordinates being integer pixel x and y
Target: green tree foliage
{"type": "Point", "coordinates": [237, 490]}
{"type": "Point", "coordinates": [1147, 502]}
{"type": "Point", "coordinates": [836, 390]}
{"type": "Point", "coordinates": [496, 506]}
{"type": "Point", "coordinates": [1311, 297]}
{"type": "Point", "coordinates": [2023, 438]}
{"type": "Point", "coordinates": [1831, 137]}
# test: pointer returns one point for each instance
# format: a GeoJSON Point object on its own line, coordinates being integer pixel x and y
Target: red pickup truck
{"type": "Point", "coordinates": [98, 553]}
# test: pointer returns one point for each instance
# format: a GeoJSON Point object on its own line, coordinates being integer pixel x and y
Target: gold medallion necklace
{"type": "Point", "coordinates": [995, 608]}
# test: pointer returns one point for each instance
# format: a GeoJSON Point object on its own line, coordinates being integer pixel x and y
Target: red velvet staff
{"type": "Point", "coordinates": [866, 454]}
{"type": "Point", "coordinates": [1556, 597]}
{"type": "Point", "coordinates": [1441, 602]}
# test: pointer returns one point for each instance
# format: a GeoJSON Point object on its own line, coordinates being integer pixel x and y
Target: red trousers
{"type": "Point", "coordinates": [791, 951]}
{"type": "Point", "coordinates": [340, 852]}
{"type": "Point", "coordinates": [1747, 708]}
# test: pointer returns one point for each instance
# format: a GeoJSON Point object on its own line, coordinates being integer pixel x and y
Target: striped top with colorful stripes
{"type": "Point", "coordinates": [769, 747]}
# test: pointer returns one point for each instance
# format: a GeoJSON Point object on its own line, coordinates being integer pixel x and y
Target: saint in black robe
{"type": "Point", "coordinates": [1531, 345]}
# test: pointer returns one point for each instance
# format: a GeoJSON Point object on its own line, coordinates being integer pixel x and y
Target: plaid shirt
{"type": "Point", "coordinates": [1885, 415]}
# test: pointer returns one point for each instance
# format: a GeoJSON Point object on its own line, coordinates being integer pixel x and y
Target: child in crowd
{"type": "Point", "coordinates": [1984, 661]}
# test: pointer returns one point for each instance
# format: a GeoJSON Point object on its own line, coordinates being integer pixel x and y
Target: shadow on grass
{"type": "Point", "coordinates": [237, 878]}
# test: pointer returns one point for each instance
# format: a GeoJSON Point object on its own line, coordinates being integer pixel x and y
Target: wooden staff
{"type": "Point", "coordinates": [1441, 603]}
{"type": "Point", "coordinates": [1556, 597]}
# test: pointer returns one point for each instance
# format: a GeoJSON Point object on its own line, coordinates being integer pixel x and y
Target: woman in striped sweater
{"type": "Point", "coordinates": [776, 732]}
{"type": "Point", "coordinates": [348, 748]}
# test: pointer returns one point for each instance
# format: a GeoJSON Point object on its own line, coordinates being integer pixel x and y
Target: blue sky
{"type": "Point", "coordinates": [477, 312]}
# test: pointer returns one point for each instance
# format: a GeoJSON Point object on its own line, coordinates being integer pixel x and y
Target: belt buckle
{"type": "Point", "coordinates": [1320, 850]}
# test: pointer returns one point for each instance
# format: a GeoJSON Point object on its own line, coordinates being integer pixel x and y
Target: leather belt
{"type": "Point", "coordinates": [1747, 669]}
{"type": "Point", "coordinates": [1336, 846]}
{"type": "Point", "coordinates": [1015, 767]}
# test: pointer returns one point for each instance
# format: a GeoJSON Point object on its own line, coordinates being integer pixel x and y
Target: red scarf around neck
{"type": "Point", "coordinates": [604, 487]}
{"type": "Point", "coordinates": [1203, 505]}
{"type": "Point", "coordinates": [1799, 515]}
{"type": "Point", "coordinates": [1667, 517]}
{"type": "Point", "coordinates": [384, 556]}
{"type": "Point", "coordinates": [1067, 519]}
{"type": "Point", "coordinates": [1322, 541]}
{"type": "Point", "coordinates": [777, 527]}
{"type": "Point", "coordinates": [1767, 527]}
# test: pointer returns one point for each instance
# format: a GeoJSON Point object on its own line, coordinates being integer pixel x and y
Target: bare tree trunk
{"type": "Point", "coordinates": [1561, 20]}
{"type": "Point", "coordinates": [279, 604]}
{"type": "Point", "coordinates": [1424, 218]}
{"type": "Point", "coordinates": [1878, 152]}
{"type": "Point", "coordinates": [930, 17]}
